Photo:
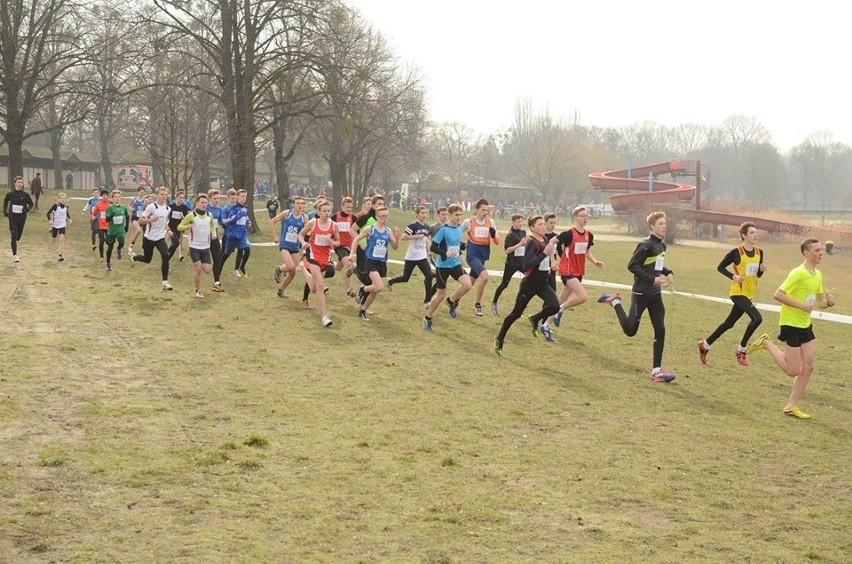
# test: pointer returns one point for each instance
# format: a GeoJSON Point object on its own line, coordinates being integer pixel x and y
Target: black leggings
{"type": "Point", "coordinates": [177, 237]}
{"type": "Point", "coordinates": [425, 268]}
{"type": "Point", "coordinates": [508, 271]}
{"type": "Point", "coordinates": [101, 241]}
{"type": "Point", "coordinates": [741, 305]}
{"type": "Point", "coordinates": [95, 231]}
{"type": "Point", "coordinates": [528, 290]}
{"type": "Point", "coordinates": [148, 247]}
{"type": "Point", "coordinates": [216, 252]}
{"type": "Point", "coordinates": [17, 221]}
{"type": "Point", "coordinates": [120, 240]}
{"type": "Point", "coordinates": [657, 313]}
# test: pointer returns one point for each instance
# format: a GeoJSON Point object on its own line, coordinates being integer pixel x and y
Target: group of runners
{"type": "Point", "coordinates": [308, 241]}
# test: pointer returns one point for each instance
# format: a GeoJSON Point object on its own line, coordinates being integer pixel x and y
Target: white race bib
{"type": "Point", "coordinates": [177, 215]}
{"type": "Point", "coordinates": [545, 264]}
{"type": "Point", "coordinates": [480, 232]}
{"type": "Point", "coordinates": [321, 240]}
{"type": "Point", "coordinates": [118, 219]}
{"type": "Point", "coordinates": [380, 251]}
{"type": "Point", "coordinates": [453, 251]}
{"type": "Point", "coordinates": [811, 300]}
{"type": "Point", "coordinates": [242, 221]}
{"type": "Point", "coordinates": [291, 237]}
{"type": "Point", "coordinates": [752, 268]}
{"type": "Point", "coordinates": [17, 209]}
{"type": "Point", "coordinates": [580, 248]}
{"type": "Point", "coordinates": [102, 215]}
{"type": "Point", "coordinates": [344, 226]}
{"type": "Point", "coordinates": [660, 262]}
{"type": "Point", "coordinates": [520, 251]}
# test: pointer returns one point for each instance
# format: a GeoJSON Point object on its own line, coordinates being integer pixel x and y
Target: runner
{"type": "Point", "coordinates": [323, 237]}
{"type": "Point", "coordinates": [16, 205]}
{"type": "Point", "coordinates": [238, 224]}
{"type": "Point", "coordinates": [649, 276]}
{"type": "Point", "coordinates": [537, 258]}
{"type": "Point", "coordinates": [800, 292]}
{"type": "Point", "coordinates": [480, 230]}
{"type": "Point", "coordinates": [515, 246]}
{"type": "Point", "coordinates": [137, 206]}
{"type": "Point", "coordinates": [179, 208]}
{"type": "Point", "coordinates": [201, 227]}
{"type": "Point", "coordinates": [447, 244]}
{"type": "Point", "coordinates": [60, 217]}
{"type": "Point", "coordinates": [576, 248]}
{"type": "Point", "coordinates": [364, 220]}
{"type": "Point", "coordinates": [417, 255]}
{"type": "Point", "coordinates": [379, 236]}
{"type": "Point", "coordinates": [90, 204]}
{"type": "Point", "coordinates": [345, 219]}
{"type": "Point", "coordinates": [748, 265]}
{"type": "Point", "coordinates": [215, 245]}
{"type": "Point", "coordinates": [226, 229]}
{"type": "Point", "coordinates": [155, 220]}
{"type": "Point", "coordinates": [287, 238]}
{"type": "Point", "coordinates": [99, 217]}
{"type": "Point", "coordinates": [118, 222]}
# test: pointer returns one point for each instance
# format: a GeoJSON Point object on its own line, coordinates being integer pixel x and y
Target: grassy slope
{"type": "Point", "coordinates": [139, 425]}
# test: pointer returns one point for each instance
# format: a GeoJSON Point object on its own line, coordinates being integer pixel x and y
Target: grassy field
{"type": "Point", "coordinates": [138, 425]}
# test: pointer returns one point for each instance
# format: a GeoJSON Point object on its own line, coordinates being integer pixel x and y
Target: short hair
{"type": "Point", "coordinates": [114, 192]}
{"type": "Point", "coordinates": [200, 196]}
{"type": "Point", "coordinates": [807, 244]}
{"type": "Point", "coordinates": [441, 209]}
{"type": "Point", "coordinates": [454, 208]}
{"type": "Point", "coordinates": [745, 227]}
{"type": "Point", "coordinates": [140, 189]}
{"type": "Point", "coordinates": [480, 202]}
{"type": "Point", "coordinates": [212, 193]}
{"type": "Point", "coordinates": [516, 217]}
{"type": "Point", "coordinates": [180, 193]}
{"type": "Point", "coordinates": [367, 199]}
{"type": "Point", "coordinates": [232, 192]}
{"type": "Point", "coordinates": [549, 215]}
{"type": "Point", "coordinates": [419, 209]}
{"type": "Point", "coordinates": [323, 204]}
{"type": "Point", "coordinates": [532, 220]}
{"type": "Point", "coordinates": [578, 210]}
{"type": "Point", "coordinates": [22, 178]}
{"type": "Point", "coordinates": [162, 189]}
{"type": "Point", "coordinates": [62, 195]}
{"type": "Point", "coordinates": [653, 217]}
{"type": "Point", "coordinates": [347, 200]}
{"type": "Point", "coordinates": [298, 198]}
{"type": "Point", "coordinates": [376, 198]}
{"type": "Point", "coordinates": [241, 191]}
{"type": "Point", "coordinates": [381, 208]}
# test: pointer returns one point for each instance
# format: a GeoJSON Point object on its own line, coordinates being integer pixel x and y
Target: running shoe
{"type": "Point", "coordinates": [427, 324]}
{"type": "Point", "coordinates": [757, 344]}
{"type": "Point", "coordinates": [796, 412]}
{"type": "Point", "coordinates": [362, 315]}
{"type": "Point", "coordinates": [498, 346]}
{"type": "Point", "coordinates": [198, 294]}
{"type": "Point", "coordinates": [350, 270]}
{"type": "Point", "coordinates": [61, 258]}
{"type": "Point", "coordinates": [94, 247]}
{"type": "Point", "coordinates": [281, 293]}
{"type": "Point", "coordinates": [245, 275]}
{"type": "Point", "coordinates": [544, 328]}
{"type": "Point", "coordinates": [167, 286]}
{"type": "Point", "coordinates": [494, 308]}
{"type": "Point", "coordinates": [278, 275]}
{"type": "Point", "coordinates": [452, 305]}
{"type": "Point", "coordinates": [662, 376]}
{"type": "Point", "coordinates": [741, 357]}
{"type": "Point", "coordinates": [390, 286]}
{"type": "Point", "coordinates": [325, 290]}
{"type": "Point", "coordinates": [237, 274]}
{"type": "Point", "coordinates": [217, 287]}
{"type": "Point", "coordinates": [702, 352]}
{"type": "Point", "coordinates": [101, 259]}
{"type": "Point", "coordinates": [130, 249]}
{"type": "Point", "coordinates": [534, 325]}
{"type": "Point", "coordinates": [326, 321]}
{"type": "Point", "coordinates": [477, 310]}
{"type": "Point", "coordinates": [16, 258]}
{"type": "Point", "coordinates": [609, 298]}
{"type": "Point", "coordinates": [351, 292]}
{"type": "Point", "coordinates": [180, 258]}
{"type": "Point", "coordinates": [120, 256]}
{"type": "Point", "coordinates": [108, 268]}
{"type": "Point", "coordinates": [558, 319]}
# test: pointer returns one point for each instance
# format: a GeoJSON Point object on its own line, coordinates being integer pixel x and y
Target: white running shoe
{"type": "Point", "coordinates": [326, 321]}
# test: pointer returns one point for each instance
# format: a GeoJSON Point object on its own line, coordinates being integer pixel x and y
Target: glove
{"type": "Point", "coordinates": [492, 232]}
{"type": "Point", "coordinates": [462, 246]}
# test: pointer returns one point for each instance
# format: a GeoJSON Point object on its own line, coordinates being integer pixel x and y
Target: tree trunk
{"type": "Point", "coordinates": [106, 161]}
{"type": "Point", "coordinates": [15, 142]}
{"type": "Point", "coordinates": [55, 142]}
{"type": "Point", "coordinates": [337, 170]}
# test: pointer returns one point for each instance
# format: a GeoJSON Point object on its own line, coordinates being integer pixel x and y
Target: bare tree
{"type": "Point", "coordinates": [458, 154]}
{"type": "Point", "coordinates": [823, 166]}
{"type": "Point", "coordinates": [35, 61]}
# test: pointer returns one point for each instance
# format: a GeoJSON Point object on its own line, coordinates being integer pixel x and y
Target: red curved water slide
{"type": "Point", "coordinates": [671, 193]}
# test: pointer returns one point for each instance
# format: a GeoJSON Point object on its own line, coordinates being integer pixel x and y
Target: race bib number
{"type": "Point", "coordinates": [291, 237]}
{"type": "Point", "coordinates": [242, 221]}
{"type": "Point", "coordinates": [480, 232]}
{"type": "Point", "coordinates": [580, 248]}
{"type": "Point", "coordinates": [453, 251]}
{"type": "Point", "coordinates": [177, 215]}
{"type": "Point", "coordinates": [811, 300]}
{"type": "Point", "coordinates": [17, 208]}
{"type": "Point", "coordinates": [380, 251]}
{"type": "Point", "coordinates": [102, 215]}
{"type": "Point", "coordinates": [321, 241]}
{"type": "Point", "coordinates": [660, 263]}
{"type": "Point", "coordinates": [343, 226]}
{"type": "Point", "coordinates": [520, 251]}
{"type": "Point", "coordinates": [118, 219]}
{"type": "Point", "coordinates": [752, 268]}
{"type": "Point", "coordinates": [545, 264]}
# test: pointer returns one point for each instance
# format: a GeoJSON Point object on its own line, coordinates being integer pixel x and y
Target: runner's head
{"type": "Point", "coordinates": [442, 214]}
{"type": "Point", "coordinates": [63, 198]}
{"type": "Point", "coordinates": [324, 209]}
{"type": "Point", "coordinates": [482, 208]}
{"type": "Point", "coordinates": [657, 223]}
{"type": "Point", "coordinates": [382, 215]}
{"type": "Point", "coordinates": [179, 197]}
{"type": "Point", "coordinates": [241, 196]}
{"type": "Point", "coordinates": [581, 216]}
{"type": "Point", "coordinates": [550, 222]}
{"type": "Point", "coordinates": [298, 205]}
{"type": "Point", "coordinates": [517, 221]}
{"type": "Point", "coordinates": [19, 184]}
{"type": "Point", "coordinates": [537, 225]}
{"type": "Point", "coordinates": [454, 214]}
{"type": "Point", "coordinates": [213, 197]}
{"type": "Point", "coordinates": [232, 196]}
{"type": "Point", "coordinates": [420, 213]}
{"type": "Point", "coordinates": [346, 205]}
{"type": "Point", "coordinates": [116, 197]}
{"type": "Point", "coordinates": [104, 194]}
{"type": "Point", "coordinates": [162, 194]}
{"type": "Point", "coordinates": [748, 232]}
{"type": "Point", "coordinates": [201, 203]}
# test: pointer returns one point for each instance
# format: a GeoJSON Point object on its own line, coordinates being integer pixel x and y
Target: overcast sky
{"type": "Point", "coordinates": [621, 62]}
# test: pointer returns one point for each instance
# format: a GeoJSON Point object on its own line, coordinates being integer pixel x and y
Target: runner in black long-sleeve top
{"type": "Point", "coordinates": [16, 205]}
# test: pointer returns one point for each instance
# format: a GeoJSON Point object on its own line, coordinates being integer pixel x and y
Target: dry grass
{"type": "Point", "coordinates": [142, 426]}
